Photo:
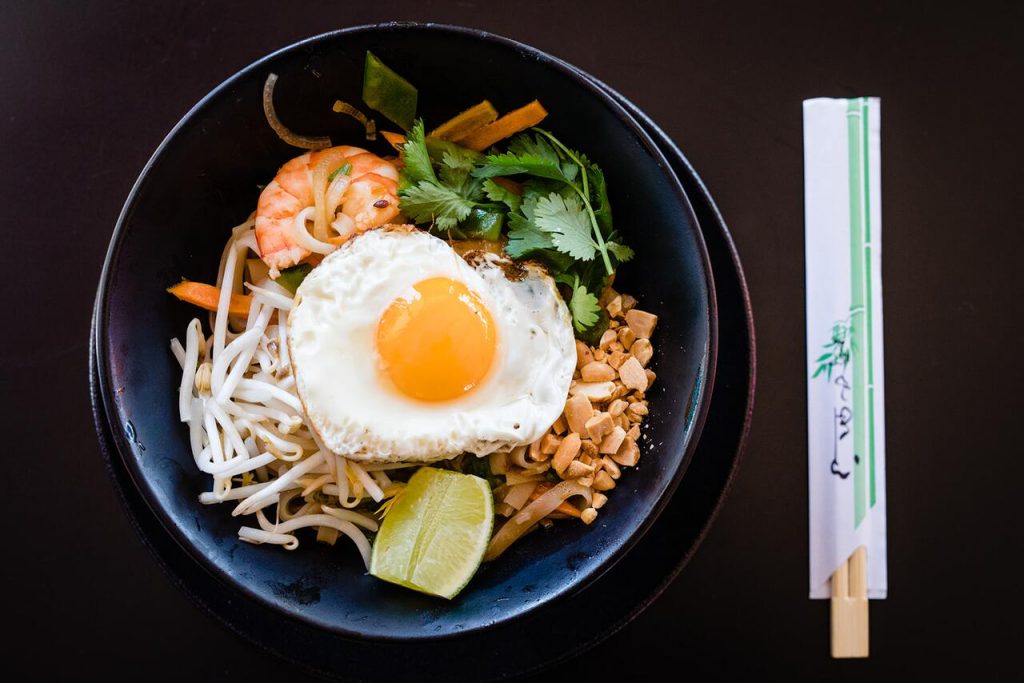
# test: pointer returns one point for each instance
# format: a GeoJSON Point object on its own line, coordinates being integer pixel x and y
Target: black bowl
{"type": "Point", "coordinates": [204, 178]}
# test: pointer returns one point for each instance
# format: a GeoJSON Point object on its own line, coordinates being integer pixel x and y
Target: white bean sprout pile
{"type": "Point", "coordinates": [247, 428]}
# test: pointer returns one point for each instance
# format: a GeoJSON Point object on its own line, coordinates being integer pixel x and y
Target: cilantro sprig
{"type": "Point", "coordinates": [561, 217]}
{"type": "Point", "coordinates": [437, 186]}
{"type": "Point", "coordinates": [571, 222]}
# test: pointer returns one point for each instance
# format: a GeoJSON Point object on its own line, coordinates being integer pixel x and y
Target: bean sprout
{"type": "Point", "coordinates": [247, 428]}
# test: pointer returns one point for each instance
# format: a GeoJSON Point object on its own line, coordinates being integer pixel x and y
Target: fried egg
{"type": "Point", "coordinates": [404, 351]}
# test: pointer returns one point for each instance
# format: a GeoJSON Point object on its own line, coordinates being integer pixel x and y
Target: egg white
{"type": "Point", "coordinates": [356, 409]}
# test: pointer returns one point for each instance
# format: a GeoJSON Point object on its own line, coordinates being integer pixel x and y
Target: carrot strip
{"type": "Point", "coordinates": [509, 124]}
{"type": "Point", "coordinates": [396, 140]}
{"type": "Point", "coordinates": [207, 296]}
{"type": "Point", "coordinates": [465, 123]}
{"type": "Point", "coordinates": [564, 508]}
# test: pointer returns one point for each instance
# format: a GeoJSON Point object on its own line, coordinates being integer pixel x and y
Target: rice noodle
{"type": "Point", "coordinates": [531, 514]}
{"type": "Point", "coordinates": [520, 493]}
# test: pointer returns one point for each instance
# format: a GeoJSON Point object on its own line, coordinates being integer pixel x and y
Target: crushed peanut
{"type": "Point", "coordinates": [578, 410]}
{"type": "Point", "coordinates": [596, 436]}
{"type": "Point", "coordinates": [597, 371]}
{"type": "Point", "coordinates": [617, 407]}
{"type": "Point", "coordinates": [628, 453]}
{"type": "Point", "coordinates": [583, 354]}
{"type": "Point", "coordinates": [603, 481]}
{"type": "Point", "coordinates": [642, 351]}
{"type": "Point", "coordinates": [549, 443]}
{"type": "Point", "coordinates": [632, 375]}
{"type": "Point", "coordinates": [595, 391]}
{"type": "Point", "coordinates": [577, 469]}
{"type": "Point", "coordinates": [626, 337]}
{"type": "Point", "coordinates": [641, 322]}
{"type": "Point", "coordinates": [614, 308]}
{"type": "Point", "coordinates": [617, 359]}
{"type": "Point", "coordinates": [609, 466]}
{"type": "Point", "coordinates": [598, 426]}
{"type": "Point", "coordinates": [567, 451]}
{"type": "Point", "coordinates": [610, 444]}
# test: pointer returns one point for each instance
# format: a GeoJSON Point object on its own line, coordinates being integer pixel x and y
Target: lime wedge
{"type": "Point", "coordinates": [434, 537]}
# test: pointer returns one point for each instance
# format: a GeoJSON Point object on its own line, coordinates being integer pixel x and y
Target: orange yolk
{"type": "Point", "coordinates": [438, 345]}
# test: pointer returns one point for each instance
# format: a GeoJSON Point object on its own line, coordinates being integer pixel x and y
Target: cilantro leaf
{"type": "Point", "coordinates": [584, 308]}
{"type": "Point", "coordinates": [427, 202]}
{"type": "Point", "coordinates": [449, 153]}
{"type": "Point", "coordinates": [568, 225]}
{"type": "Point", "coordinates": [418, 167]}
{"type": "Point", "coordinates": [524, 241]}
{"type": "Point", "coordinates": [524, 237]}
{"type": "Point", "coordinates": [497, 193]}
{"type": "Point", "coordinates": [461, 182]}
{"type": "Point", "coordinates": [621, 252]}
{"type": "Point", "coordinates": [534, 145]}
{"type": "Point", "coordinates": [511, 164]}
{"type": "Point", "coordinates": [456, 163]}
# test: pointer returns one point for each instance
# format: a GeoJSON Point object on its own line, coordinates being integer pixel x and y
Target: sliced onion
{"type": "Point", "coordinates": [327, 162]}
{"type": "Point", "coordinates": [301, 236]}
{"type": "Point", "coordinates": [531, 514]}
{"type": "Point", "coordinates": [293, 139]}
{"type": "Point", "coordinates": [346, 108]}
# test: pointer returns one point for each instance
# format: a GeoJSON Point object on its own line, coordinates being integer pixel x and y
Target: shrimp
{"type": "Point", "coordinates": [365, 197]}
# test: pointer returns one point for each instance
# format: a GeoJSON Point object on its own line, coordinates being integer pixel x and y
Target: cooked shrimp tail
{"type": "Point", "coordinates": [318, 200]}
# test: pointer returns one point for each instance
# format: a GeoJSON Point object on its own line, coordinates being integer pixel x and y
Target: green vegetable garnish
{"type": "Point", "coordinates": [387, 92]}
{"type": "Point", "coordinates": [443, 197]}
{"type": "Point", "coordinates": [570, 222]}
{"type": "Point", "coordinates": [291, 278]}
{"type": "Point", "coordinates": [562, 218]}
{"type": "Point", "coordinates": [483, 224]}
{"type": "Point", "coordinates": [345, 170]}
{"type": "Point", "coordinates": [481, 467]}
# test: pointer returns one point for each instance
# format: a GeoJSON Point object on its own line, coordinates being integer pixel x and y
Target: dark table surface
{"type": "Point", "coordinates": [90, 89]}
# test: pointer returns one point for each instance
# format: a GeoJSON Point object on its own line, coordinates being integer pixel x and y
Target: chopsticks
{"type": "Point", "coordinates": [850, 607]}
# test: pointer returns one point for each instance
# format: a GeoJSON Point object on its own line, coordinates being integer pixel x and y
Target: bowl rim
{"type": "Point", "coordinates": [123, 442]}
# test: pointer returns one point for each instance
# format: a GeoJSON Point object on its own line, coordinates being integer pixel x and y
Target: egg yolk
{"type": "Point", "coordinates": [438, 345]}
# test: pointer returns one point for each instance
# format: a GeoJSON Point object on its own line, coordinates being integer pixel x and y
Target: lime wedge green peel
{"type": "Point", "coordinates": [434, 537]}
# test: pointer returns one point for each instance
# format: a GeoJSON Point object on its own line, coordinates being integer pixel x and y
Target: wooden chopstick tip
{"type": "Point", "coordinates": [850, 633]}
